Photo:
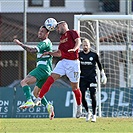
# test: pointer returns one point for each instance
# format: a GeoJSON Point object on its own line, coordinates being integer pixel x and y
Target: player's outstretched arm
{"type": "Point", "coordinates": [55, 53]}
{"type": "Point", "coordinates": [25, 47]}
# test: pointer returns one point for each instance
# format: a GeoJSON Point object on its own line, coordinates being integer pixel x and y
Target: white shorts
{"type": "Point", "coordinates": [70, 68]}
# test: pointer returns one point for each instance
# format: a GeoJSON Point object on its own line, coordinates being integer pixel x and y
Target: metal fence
{"type": "Point", "coordinates": [13, 65]}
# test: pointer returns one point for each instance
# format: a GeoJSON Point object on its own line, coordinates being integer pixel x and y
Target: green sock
{"type": "Point", "coordinates": [44, 101]}
{"type": "Point", "coordinates": [27, 92]}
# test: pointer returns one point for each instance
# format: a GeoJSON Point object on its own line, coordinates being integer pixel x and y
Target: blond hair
{"type": "Point", "coordinates": [86, 40]}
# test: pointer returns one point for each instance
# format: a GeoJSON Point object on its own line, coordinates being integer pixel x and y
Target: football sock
{"type": "Point", "coordinates": [78, 96]}
{"type": "Point", "coordinates": [84, 103]}
{"type": "Point", "coordinates": [44, 101]}
{"type": "Point", "coordinates": [27, 92]}
{"type": "Point", "coordinates": [94, 105]}
{"type": "Point", "coordinates": [46, 86]}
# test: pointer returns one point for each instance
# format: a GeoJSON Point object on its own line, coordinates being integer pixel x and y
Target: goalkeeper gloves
{"type": "Point", "coordinates": [103, 78]}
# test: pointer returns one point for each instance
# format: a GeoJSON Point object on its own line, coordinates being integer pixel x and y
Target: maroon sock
{"type": "Point", "coordinates": [78, 96]}
{"type": "Point", "coordinates": [46, 86]}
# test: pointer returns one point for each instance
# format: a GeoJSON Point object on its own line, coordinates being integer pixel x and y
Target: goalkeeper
{"type": "Point", "coordinates": [88, 80]}
{"type": "Point", "coordinates": [40, 74]}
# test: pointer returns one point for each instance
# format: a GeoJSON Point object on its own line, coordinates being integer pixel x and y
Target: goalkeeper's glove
{"type": "Point", "coordinates": [103, 78]}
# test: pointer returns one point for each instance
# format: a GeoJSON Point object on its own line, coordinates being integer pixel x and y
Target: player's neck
{"type": "Point", "coordinates": [65, 30]}
{"type": "Point", "coordinates": [43, 39]}
{"type": "Point", "coordinates": [86, 52]}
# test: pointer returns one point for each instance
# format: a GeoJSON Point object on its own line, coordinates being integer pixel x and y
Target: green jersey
{"type": "Point", "coordinates": [44, 63]}
{"type": "Point", "coordinates": [44, 46]}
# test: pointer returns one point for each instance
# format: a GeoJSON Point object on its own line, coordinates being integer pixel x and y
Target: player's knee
{"type": "Point", "coordinates": [35, 94]}
{"type": "Point", "coordinates": [74, 87]}
{"type": "Point", "coordinates": [23, 82]}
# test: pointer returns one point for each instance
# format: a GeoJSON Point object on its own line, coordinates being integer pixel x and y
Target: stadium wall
{"type": "Point", "coordinates": [11, 98]}
{"type": "Point", "coordinates": [116, 102]}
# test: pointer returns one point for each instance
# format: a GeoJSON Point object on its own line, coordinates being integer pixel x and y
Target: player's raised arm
{"type": "Point", "coordinates": [25, 47]}
{"type": "Point", "coordinates": [55, 53]}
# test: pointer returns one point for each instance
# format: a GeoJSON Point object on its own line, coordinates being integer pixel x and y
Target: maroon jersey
{"type": "Point", "coordinates": [67, 41]}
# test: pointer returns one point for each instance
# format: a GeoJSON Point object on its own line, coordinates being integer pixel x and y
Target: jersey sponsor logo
{"type": "Point", "coordinates": [40, 56]}
{"type": "Point", "coordinates": [42, 62]}
{"type": "Point", "coordinates": [86, 63]}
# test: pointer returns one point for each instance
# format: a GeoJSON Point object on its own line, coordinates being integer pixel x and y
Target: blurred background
{"type": "Point", "coordinates": [22, 18]}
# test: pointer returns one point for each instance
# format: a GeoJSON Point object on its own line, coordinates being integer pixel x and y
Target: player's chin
{"type": "Point", "coordinates": [85, 49]}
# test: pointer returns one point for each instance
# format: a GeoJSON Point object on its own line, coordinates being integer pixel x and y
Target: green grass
{"type": "Point", "coordinates": [73, 125]}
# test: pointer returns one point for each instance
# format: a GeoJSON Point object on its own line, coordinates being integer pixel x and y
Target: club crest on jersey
{"type": "Point", "coordinates": [91, 58]}
{"type": "Point", "coordinates": [64, 40]}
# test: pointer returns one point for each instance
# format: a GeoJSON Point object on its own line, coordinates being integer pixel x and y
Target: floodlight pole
{"type": "Point", "coordinates": [25, 37]}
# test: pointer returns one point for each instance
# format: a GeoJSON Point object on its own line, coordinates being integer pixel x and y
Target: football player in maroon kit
{"type": "Point", "coordinates": [69, 64]}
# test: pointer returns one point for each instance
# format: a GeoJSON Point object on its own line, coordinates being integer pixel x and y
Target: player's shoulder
{"type": "Point", "coordinates": [81, 52]}
{"type": "Point", "coordinates": [93, 53]}
{"type": "Point", "coordinates": [47, 41]}
{"type": "Point", "coordinates": [72, 31]}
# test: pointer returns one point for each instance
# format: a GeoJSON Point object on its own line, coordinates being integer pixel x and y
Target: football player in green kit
{"type": "Point", "coordinates": [40, 74]}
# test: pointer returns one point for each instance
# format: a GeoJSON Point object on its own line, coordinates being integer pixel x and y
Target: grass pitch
{"type": "Point", "coordinates": [73, 125]}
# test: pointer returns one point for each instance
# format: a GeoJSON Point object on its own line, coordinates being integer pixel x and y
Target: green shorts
{"type": "Point", "coordinates": [41, 73]}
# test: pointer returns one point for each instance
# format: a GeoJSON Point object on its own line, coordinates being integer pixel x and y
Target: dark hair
{"type": "Point", "coordinates": [43, 26]}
